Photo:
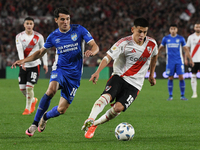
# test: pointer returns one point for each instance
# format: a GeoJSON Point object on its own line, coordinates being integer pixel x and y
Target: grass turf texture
{"type": "Point", "coordinates": [159, 124]}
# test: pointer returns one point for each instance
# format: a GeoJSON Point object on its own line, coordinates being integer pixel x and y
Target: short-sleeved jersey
{"type": "Point", "coordinates": [29, 44]}
{"type": "Point", "coordinates": [131, 61]}
{"type": "Point", "coordinates": [174, 48]}
{"type": "Point", "coordinates": [69, 49]}
{"type": "Point", "coordinates": [193, 42]}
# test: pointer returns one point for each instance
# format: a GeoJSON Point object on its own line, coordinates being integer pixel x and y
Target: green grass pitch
{"type": "Point", "coordinates": [159, 124]}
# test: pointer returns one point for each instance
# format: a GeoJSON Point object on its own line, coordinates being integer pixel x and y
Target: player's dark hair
{"type": "Point", "coordinates": [173, 25]}
{"type": "Point", "coordinates": [62, 10]}
{"type": "Point", "coordinates": [142, 22]}
{"type": "Point", "coordinates": [29, 18]}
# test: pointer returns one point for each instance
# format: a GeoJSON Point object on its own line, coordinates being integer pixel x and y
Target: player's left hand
{"type": "Point", "coordinates": [45, 68]}
{"type": "Point", "coordinates": [152, 81]}
{"type": "Point", "coordinates": [88, 53]}
{"type": "Point", "coordinates": [17, 63]}
{"type": "Point", "coordinates": [192, 63]}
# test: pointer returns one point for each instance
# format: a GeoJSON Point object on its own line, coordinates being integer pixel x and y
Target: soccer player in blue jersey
{"type": "Point", "coordinates": [174, 44]}
{"type": "Point", "coordinates": [67, 68]}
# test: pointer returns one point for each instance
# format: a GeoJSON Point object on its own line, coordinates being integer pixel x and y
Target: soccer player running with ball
{"type": "Point", "coordinates": [132, 57]}
{"type": "Point", "coordinates": [28, 42]}
{"type": "Point", "coordinates": [193, 43]}
{"type": "Point", "coordinates": [174, 44]}
{"type": "Point", "coordinates": [67, 68]}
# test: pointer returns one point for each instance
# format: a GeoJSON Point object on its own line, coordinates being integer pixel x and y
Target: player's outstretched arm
{"type": "Point", "coordinates": [34, 56]}
{"type": "Point", "coordinates": [94, 49]}
{"type": "Point", "coordinates": [105, 61]}
{"type": "Point", "coordinates": [152, 80]}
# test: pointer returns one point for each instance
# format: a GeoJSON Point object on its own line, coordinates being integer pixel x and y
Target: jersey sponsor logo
{"type": "Point", "coordinates": [108, 88]}
{"type": "Point", "coordinates": [139, 59]}
{"type": "Point", "coordinates": [74, 36]}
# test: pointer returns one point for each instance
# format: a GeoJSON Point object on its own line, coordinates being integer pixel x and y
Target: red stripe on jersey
{"type": "Point", "coordinates": [196, 48]}
{"type": "Point", "coordinates": [31, 45]}
{"type": "Point", "coordinates": [141, 61]}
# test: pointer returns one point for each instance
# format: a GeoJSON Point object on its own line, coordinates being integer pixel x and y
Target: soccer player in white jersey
{"type": "Point", "coordinates": [69, 40]}
{"type": "Point", "coordinates": [28, 42]}
{"type": "Point", "coordinates": [193, 43]}
{"type": "Point", "coordinates": [175, 62]}
{"type": "Point", "coordinates": [132, 57]}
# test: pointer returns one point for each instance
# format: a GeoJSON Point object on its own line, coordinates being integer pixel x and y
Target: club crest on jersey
{"type": "Point", "coordinates": [177, 40]}
{"type": "Point", "coordinates": [107, 88]}
{"type": "Point", "coordinates": [74, 36]}
{"type": "Point", "coordinates": [149, 48]}
{"type": "Point", "coordinates": [35, 40]}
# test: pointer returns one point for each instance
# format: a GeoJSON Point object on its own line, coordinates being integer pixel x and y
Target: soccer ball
{"type": "Point", "coordinates": [124, 131]}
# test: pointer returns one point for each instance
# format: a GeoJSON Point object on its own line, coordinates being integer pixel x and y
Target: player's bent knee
{"type": "Point", "coordinates": [118, 107]}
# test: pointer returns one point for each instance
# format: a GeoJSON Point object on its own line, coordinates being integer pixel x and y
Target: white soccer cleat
{"type": "Point", "coordinates": [31, 130]}
{"type": "Point", "coordinates": [42, 124]}
{"type": "Point", "coordinates": [88, 123]}
{"type": "Point", "coordinates": [194, 95]}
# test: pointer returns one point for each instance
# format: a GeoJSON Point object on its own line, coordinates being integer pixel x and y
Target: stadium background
{"type": "Point", "coordinates": [107, 21]}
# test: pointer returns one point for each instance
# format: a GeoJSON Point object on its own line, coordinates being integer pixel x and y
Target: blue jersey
{"type": "Point", "coordinates": [174, 48]}
{"type": "Point", "coordinates": [69, 49]}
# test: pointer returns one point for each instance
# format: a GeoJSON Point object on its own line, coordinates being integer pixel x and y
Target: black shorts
{"type": "Point", "coordinates": [196, 68]}
{"type": "Point", "coordinates": [30, 75]}
{"type": "Point", "coordinates": [121, 91]}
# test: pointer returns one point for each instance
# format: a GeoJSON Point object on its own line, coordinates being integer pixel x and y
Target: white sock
{"type": "Point", "coordinates": [22, 88]}
{"type": "Point", "coordinates": [110, 114]}
{"type": "Point", "coordinates": [29, 96]}
{"type": "Point", "coordinates": [99, 105]}
{"type": "Point", "coordinates": [194, 83]}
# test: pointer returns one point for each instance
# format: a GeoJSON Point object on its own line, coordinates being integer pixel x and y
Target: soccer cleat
{"type": "Point", "coordinates": [42, 124]}
{"type": "Point", "coordinates": [170, 98]}
{"type": "Point", "coordinates": [26, 112]}
{"type": "Point", "coordinates": [88, 123]}
{"type": "Point", "coordinates": [31, 130]}
{"type": "Point", "coordinates": [183, 98]}
{"type": "Point", "coordinates": [194, 95]}
{"type": "Point", "coordinates": [33, 105]}
{"type": "Point", "coordinates": [90, 132]}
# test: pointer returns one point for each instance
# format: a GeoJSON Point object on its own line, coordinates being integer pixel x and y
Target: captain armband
{"type": "Point", "coordinates": [106, 58]}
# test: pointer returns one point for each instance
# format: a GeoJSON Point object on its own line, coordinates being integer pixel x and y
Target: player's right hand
{"type": "Point", "coordinates": [94, 78]}
{"type": "Point", "coordinates": [18, 62]}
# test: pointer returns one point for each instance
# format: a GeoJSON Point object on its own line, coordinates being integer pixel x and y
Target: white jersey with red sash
{"type": "Point", "coordinates": [131, 61]}
{"type": "Point", "coordinates": [194, 43]}
{"type": "Point", "coordinates": [27, 45]}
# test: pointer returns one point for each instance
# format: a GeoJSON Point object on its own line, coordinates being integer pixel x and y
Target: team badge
{"type": "Point", "coordinates": [107, 88]}
{"type": "Point", "coordinates": [149, 49]}
{"type": "Point", "coordinates": [177, 40]}
{"type": "Point", "coordinates": [35, 40]}
{"type": "Point", "coordinates": [74, 36]}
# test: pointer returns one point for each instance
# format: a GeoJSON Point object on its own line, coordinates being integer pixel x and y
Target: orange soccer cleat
{"type": "Point", "coordinates": [90, 132]}
{"type": "Point", "coordinates": [26, 112]}
{"type": "Point", "coordinates": [33, 105]}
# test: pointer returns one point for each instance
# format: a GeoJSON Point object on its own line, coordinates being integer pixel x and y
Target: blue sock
{"type": "Point", "coordinates": [182, 87]}
{"type": "Point", "coordinates": [52, 113]}
{"type": "Point", "coordinates": [170, 87]}
{"type": "Point", "coordinates": [42, 108]}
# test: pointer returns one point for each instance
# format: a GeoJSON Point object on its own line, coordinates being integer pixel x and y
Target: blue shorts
{"type": "Point", "coordinates": [172, 68]}
{"type": "Point", "coordinates": [67, 85]}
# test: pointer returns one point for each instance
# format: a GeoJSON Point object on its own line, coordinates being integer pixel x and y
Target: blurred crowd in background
{"type": "Point", "coordinates": [107, 21]}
